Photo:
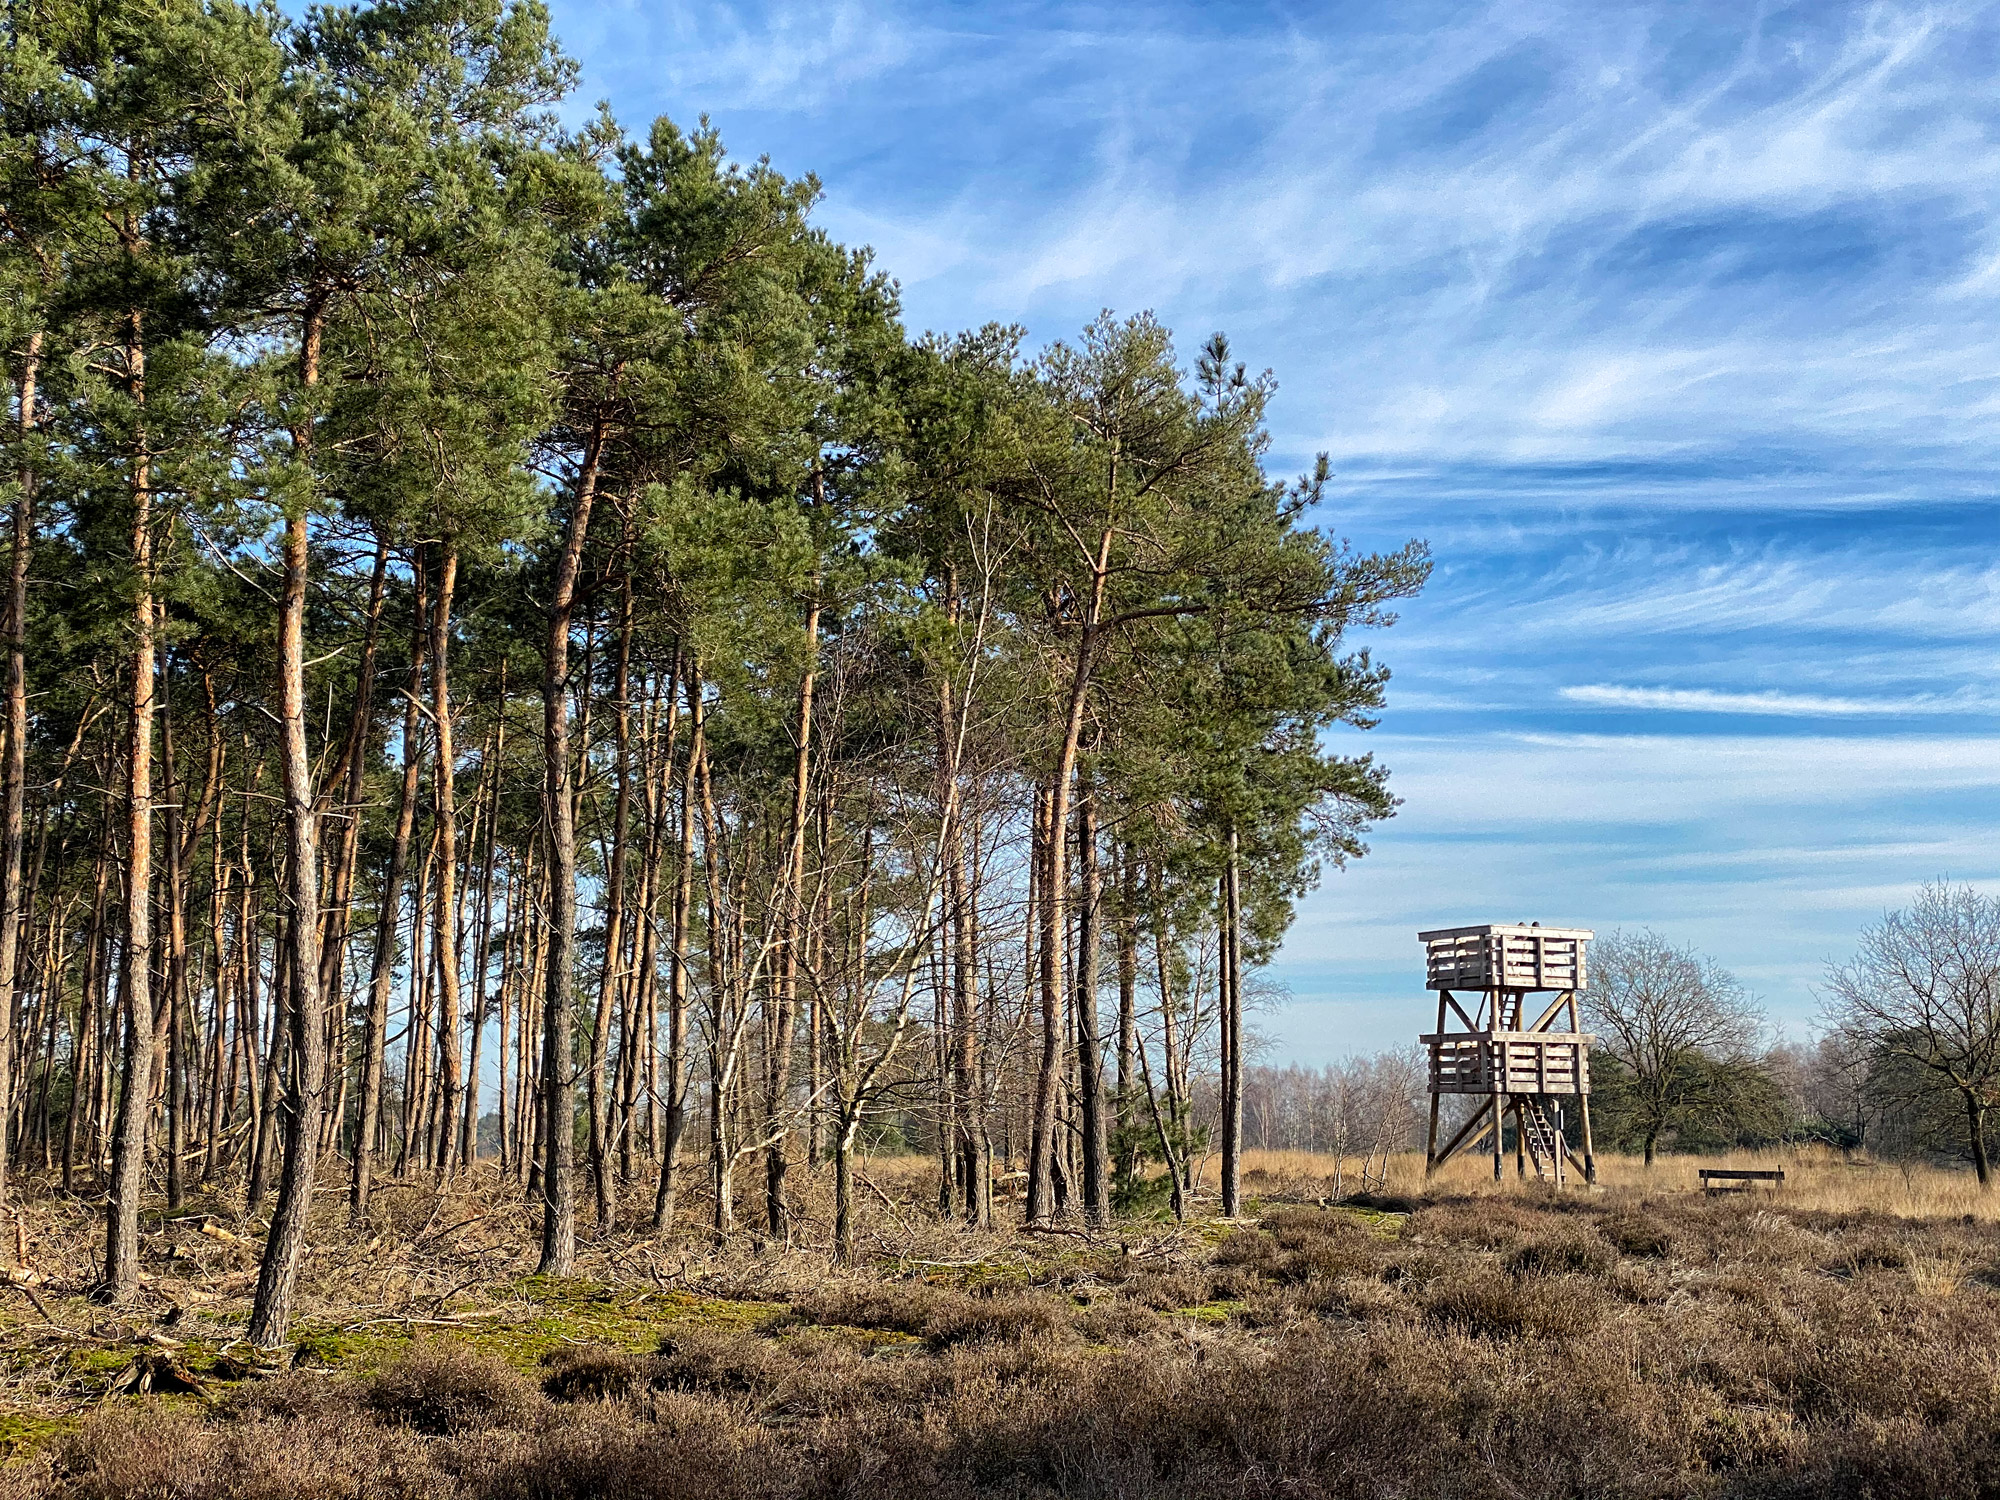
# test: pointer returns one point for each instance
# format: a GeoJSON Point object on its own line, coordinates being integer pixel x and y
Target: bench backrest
{"type": "Point", "coordinates": [1730, 1174]}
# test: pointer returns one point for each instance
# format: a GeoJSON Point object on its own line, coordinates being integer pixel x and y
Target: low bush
{"type": "Point", "coordinates": [1637, 1234]}
{"type": "Point", "coordinates": [1251, 1248]}
{"type": "Point", "coordinates": [1560, 1255]}
{"type": "Point", "coordinates": [442, 1387]}
{"type": "Point", "coordinates": [1010, 1318]}
{"type": "Point", "coordinates": [1482, 1305]}
{"type": "Point", "coordinates": [592, 1373]}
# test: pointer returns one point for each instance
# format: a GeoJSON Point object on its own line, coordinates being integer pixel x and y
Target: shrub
{"type": "Point", "coordinates": [329, 1451]}
{"type": "Point", "coordinates": [1115, 1322]}
{"type": "Point", "coordinates": [1163, 1291]}
{"type": "Point", "coordinates": [1557, 1255]}
{"type": "Point", "coordinates": [1230, 1284]}
{"type": "Point", "coordinates": [993, 1320]}
{"type": "Point", "coordinates": [1876, 1255]}
{"type": "Point", "coordinates": [594, 1373]}
{"type": "Point", "coordinates": [1246, 1247]}
{"type": "Point", "coordinates": [1484, 1223]}
{"type": "Point", "coordinates": [685, 1448]}
{"type": "Point", "coordinates": [899, 1306]}
{"type": "Point", "coordinates": [1499, 1307]}
{"type": "Point", "coordinates": [441, 1387]}
{"type": "Point", "coordinates": [1637, 1234]}
{"type": "Point", "coordinates": [719, 1362]}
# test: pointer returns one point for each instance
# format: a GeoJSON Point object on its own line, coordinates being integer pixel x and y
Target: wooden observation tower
{"type": "Point", "coordinates": [1511, 1054]}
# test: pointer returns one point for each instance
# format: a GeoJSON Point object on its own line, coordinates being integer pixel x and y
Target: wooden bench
{"type": "Point", "coordinates": [1735, 1180]}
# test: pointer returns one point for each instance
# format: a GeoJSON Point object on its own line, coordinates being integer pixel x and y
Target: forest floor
{"type": "Point", "coordinates": [1639, 1339]}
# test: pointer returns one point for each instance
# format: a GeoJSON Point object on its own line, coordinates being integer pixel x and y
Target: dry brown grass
{"type": "Point", "coordinates": [1816, 1177]}
{"type": "Point", "coordinates": [1638, 1341]}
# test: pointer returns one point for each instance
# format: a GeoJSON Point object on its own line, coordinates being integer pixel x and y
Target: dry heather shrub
{"type": "Point", "coordinates": [1893, 1460]}
{"type": "Point", "coordinates": [1231, 1284]}
{"type": "Point", "coordinates": [1394, 1411]}
{"type": "Point", "coordinates": [298, 1396]}
{"type": "Point", "coordinates": [1480, 1222]}
{"type": "Point", "coordinates": [898, 1306]}
{"type": "Point", "coordinates": [1561, 1255]}
{"type": "Point", "coordinates": [719, 1362]}
{"type": "Point", "coordinates": [1316, 1245]}
{"type": "Point", "coordinates": [1163, 1291]}
{"type": "Point", "coordinates": [1631, 1232]}
{"type": "Point", "coordinates": [1482, 1305]}
{"type": "Point", "coordinates": [1411, 1266]}
{"type": "Point", "coordinates": [152, 1453]}
{"type": "Point", "coordinates": [1875, 1253]}
{"type": "Point", "coordinates": [1292, 1227]}
{"type": "Point", "coordinates": [939, 1316]}
{"type": "Point", "coordinates": [683, 1448]}
{"type": "Point", "coordinates": [594, 1373]}
{"type": "Point", "coordinates": [1251, 1248]}
{"type": "Point", "coordinates": [441, 1387]}
{"type": "Point", "coordinates": [1114, 1322]}
{"type": "Point", "coordinates": [1010, 1318]}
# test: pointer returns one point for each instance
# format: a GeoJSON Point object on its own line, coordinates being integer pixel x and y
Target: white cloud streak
{"type": "Point", "coordinates": [1774, 704]}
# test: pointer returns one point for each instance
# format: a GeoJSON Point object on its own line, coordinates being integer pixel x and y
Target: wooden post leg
{"type": "Point", "coordinates": [1520, 1141]}
{"type": "Point", "coordinates": [1589, 1155]}
{"type": "Point", "coordinates": [1497, 1117]}
{"type": "Point", "coordinates": [1431, 1145]}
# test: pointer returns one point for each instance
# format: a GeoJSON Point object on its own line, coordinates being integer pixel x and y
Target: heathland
{"type": "Point", "coordinates": [1836, 1336]}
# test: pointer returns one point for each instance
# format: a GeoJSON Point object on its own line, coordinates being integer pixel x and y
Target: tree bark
{"type": "Point", "coordinates": [558, 1256]}
{"type": "Point", "coordinates": [14, 778]}
{"type": "Point", "coordinates": [1090, 1046]}
{"type": "Point", "coordinates": [674, 1125]}
{"type": "Point", "coordinates": [382, 971]}
{"type": "Point", "coordinates": [444, 940]}
{"type": "Point", "coordinates": [608, 979]}
{"type": "Point", "coordinates": [1975, 1119]}
{"type": "Point", "coordinates": [493, 771]}
{"type": "Point", "coordinates": [778, 1061]}
{"type": "Point", "coordinates": [1232, 1027]}
{"type": "Point", "coordinates": [1042, 1130]}
{"type": "Point", "coordinates": [271, 1314]}
{"type": "Point", "coordinates": [1055, 893]}
{"type": "Point", "coordinates": [128, 1170]}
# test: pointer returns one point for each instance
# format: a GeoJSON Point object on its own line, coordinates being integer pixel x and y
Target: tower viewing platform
{"type": "Point", "coordinates": [1522, 1057]}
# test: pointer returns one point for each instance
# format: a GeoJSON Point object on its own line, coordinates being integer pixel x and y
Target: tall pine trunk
{"type": "Point", "coordinates": [1232, 1033]}
{"type": "Point", "coordinates": [559, 817]}
{"type": "Point", "coordinates": [609, 977]}
{"type": "Point", "coordinates": [674, 1124]}
{"type": "Point", "coordinates": [444, 944]}
{"type": "Point", "coordinates": [128, 1165]}
{"type": "Point", "coordinates": [382, 971]}
{"type": "Point", "coordinates": [1090, 1047]}
{"type": "Point", "coordinates": [271, 1315]}
{"type": "Point", "coordinates": [778, 1062]}
{"type": "Point", "coordinates": [14, 776]}
{"type": "Point", "coordinates": [1055, 892]}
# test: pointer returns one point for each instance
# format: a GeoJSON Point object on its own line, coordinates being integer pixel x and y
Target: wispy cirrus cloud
{"type": "Point", "coordinates": [1781, 705]}
{"type": "Point", "coordinates": [1670, 325]}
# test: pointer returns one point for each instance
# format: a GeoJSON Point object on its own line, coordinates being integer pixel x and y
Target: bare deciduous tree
{"type": "Point", "coordinates": [1667, 1013]}
{"type": "Point", "coordinates": [1925, 987]}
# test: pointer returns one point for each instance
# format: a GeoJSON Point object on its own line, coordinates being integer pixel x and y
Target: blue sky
{"type": "Point", "coordinates": [1671, 327]}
